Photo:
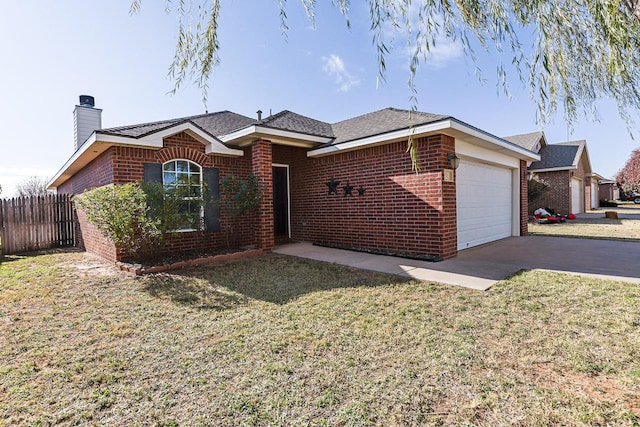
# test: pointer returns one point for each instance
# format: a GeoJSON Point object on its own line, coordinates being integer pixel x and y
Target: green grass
{"type": "Point", "coordinates": [276, 340]}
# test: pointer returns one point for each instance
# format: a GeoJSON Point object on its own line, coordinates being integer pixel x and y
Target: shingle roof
{"type": "Point", "coordinates": [380, 122]}
{"type": "Point", "coordinates": [525, 140]}
{"type": "Point", "coordinates": [215, 124]}
{"type": "Point", "coordinates": [223, 122]}
{"type": "Point", "coordinates": [287, 120]}
{"type": "Point", "coordinates": [557, 156]}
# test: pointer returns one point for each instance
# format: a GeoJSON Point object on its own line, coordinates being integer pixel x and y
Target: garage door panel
{"type": "Point", "coordinates": [484, 203]}
{"type": "Point", "coordinates": [576, 197]}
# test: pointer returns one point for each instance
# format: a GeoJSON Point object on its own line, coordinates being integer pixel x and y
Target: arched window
{"type": "Point", "coordinates": [185, 178]}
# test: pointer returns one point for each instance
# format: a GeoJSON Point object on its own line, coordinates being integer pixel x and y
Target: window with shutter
{"type": "Point", "coordinates": [185, 178]}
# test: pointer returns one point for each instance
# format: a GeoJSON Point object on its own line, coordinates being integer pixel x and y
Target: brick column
{"type": "Point", "coordinates": [448, 214]}
{"type": "Point", "coordinates": [524, 199]}
{"type": "Point", "coordinates": [261, 166]}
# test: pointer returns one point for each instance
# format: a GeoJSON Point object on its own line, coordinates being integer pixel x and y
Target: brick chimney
{"type": "Point", "coordinates": [86, 119]}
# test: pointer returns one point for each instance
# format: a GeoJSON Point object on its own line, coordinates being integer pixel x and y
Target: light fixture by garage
{"type": "Point", "coordinates": [453, 160]}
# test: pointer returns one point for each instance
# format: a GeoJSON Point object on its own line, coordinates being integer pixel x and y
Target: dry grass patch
{"type": "Point", "coordinates": [282, 341]}
{"type": "Point", "coordinates": [593, 228]}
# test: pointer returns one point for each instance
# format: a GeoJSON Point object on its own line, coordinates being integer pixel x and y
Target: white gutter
{"type": "Point", "coordinates": [448, 126]}
{"type": "Point", "coordinates": [257, 131]}
{"type": "Point", "coordinates": [556, 169]}
{"type": "Point", "coordinates": [98, 143]}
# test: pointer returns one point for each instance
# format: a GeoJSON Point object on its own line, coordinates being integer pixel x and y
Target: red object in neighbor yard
{"type": "Point", "coordinates": [555, 218]}
{"type": "Point", "coordinates": [551, 219]}
{"type": "Point", "coordinates": [571, 216]}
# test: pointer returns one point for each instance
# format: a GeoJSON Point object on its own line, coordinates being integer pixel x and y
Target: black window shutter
{"type": "Point", "coordinates": [153, 172]}
{"type": "Point", "coordinates": [212, 207]}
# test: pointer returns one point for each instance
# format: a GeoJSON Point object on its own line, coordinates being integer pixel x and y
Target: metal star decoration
{"type": "Point", "coordinates": [361, 191]}
{"type": "Point", "coordinates": [348, 189]}
{"type": "Point", "coordinates": [333, 186]}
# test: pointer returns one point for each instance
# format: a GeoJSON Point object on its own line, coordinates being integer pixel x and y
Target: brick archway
{"type": "Point", "coordinates": [172, 153]}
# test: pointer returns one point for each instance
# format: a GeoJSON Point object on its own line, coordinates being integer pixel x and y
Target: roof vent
{"type": "Point", "coordinates": [259, 115]}
{"type": "Point", "coordinates": [87, 101]}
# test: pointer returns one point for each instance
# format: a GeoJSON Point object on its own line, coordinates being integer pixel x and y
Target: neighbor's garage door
{"type": "Point", "coordinates": [484, 203]}
{"type": "Point", "coordinates": [576, 196]}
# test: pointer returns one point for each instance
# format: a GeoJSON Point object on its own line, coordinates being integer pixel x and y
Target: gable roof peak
{"type": "Point", "coordinates": [527, 140]}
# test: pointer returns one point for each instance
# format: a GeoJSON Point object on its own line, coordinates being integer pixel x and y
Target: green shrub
{"type": "Point", "coordinates": [237, 199]}
{"type": "Point", "coordinates": [121, 213]}
{"type": "Point", "coordinates": [536, 188]}
{"type": "Point", "coordinates": [166, 207]}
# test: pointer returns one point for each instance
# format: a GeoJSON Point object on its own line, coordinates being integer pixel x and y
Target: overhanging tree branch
{"type": "Point", "coordinates": [582, 51]}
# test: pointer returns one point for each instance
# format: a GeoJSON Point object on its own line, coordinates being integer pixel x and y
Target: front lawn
{"type": "Point", "coordinates": [597, 227]}
{"type": "Point", "coordinates": [276, 340]}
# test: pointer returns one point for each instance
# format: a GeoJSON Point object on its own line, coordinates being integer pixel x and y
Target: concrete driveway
{"type": "Point", "coordinates": [483, 266]}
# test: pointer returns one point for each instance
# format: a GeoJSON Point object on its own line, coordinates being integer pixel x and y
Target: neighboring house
{"type": "Point", "coordinates": [608, 189]}
{"type": "Point", "coordinates": [566, 168]}
{"type": "Point", "coordinates": [348, 184]}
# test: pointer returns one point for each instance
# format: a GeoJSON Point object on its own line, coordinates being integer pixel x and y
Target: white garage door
{"type": "Point", "coordinates": [484, 203]}
{"type": "Point", "coordinates": [576, 199]}
{"type": "Point", "coordinates": [594, 195]}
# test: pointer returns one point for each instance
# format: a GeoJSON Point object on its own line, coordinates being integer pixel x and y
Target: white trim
{"type": "Point", "coordinates": [90, 143]}
{"type": "Point", "coordinates": [187, 198]}
{"type": "Point", "coordinates": [505, 145]}
{"type": "Point", "coordinates": [213, 145]}
{"type": "Point", "coordinates": [100, 142]}
{"type": "Point", "coordinates": [516, 203]}
{"type": "Point", "coordinates": [379, 139]}
{"type": "Point", "coordinates": [473, 152]}
{"type": "Point", "coordinates": [448, 127]}
{"type": "Point", "coordinates": [255, 131]}
{"type": "Point", "coordinates": [560, 168]}
{"type": "Point", "coordinates": [279, 165]}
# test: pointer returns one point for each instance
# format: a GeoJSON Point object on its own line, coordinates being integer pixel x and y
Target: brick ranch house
{"type": "Point", "coordinates": [348, 184]}
{"type": "Point", "coordinates": [566, 168]}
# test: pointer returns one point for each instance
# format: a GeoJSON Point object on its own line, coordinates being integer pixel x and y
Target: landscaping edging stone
{"type": "Point", "coordinates": [139, 270]}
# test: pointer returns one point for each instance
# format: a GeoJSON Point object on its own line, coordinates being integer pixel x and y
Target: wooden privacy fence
{"type": "Point", "coordinates": [37, 222]}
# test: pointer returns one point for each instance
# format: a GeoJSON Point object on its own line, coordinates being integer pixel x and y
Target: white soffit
{"type": "Point", "coordinates": [99, 143]}
{"type": "Point", "coordinates": [474, 152]}
{"type": "Point", "coordinates": [560, 168]}
{"type": "Point", "coordinates": [449, 127]}
{"type": "Point", "coordinates": [212, 144]}
{"type": "Point", "coordinates": [246, 135]}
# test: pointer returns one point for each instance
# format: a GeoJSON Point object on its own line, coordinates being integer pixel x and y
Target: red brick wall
{"type": "Point", "coordinates": [401, 211]}
{"type": "Point", "coordinates": [96, 174]}
{"type": "Point", "coordinates": [558, 197]}
{"type": "Point", "coordinates": [262, 160]}
{"type": "Point", "coordinates": [125, 164]}
{"type": "Point", "coordinates": [91, 240]}
{"type": "Point", "coordinates": [524, 207]}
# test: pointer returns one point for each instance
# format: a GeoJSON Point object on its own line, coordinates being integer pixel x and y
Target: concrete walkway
{"type": "Point", "coordinates": [483, 266]}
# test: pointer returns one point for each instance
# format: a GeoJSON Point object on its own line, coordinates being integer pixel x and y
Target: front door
{"type": "Point", "coordinates": [281, 201]}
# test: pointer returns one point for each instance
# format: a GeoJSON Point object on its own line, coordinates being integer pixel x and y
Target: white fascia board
{"type": "Point", "coordinates": [241, 133]}
{"type": "Point", "coordinates": [84, 148]}
{"type": "Point", "coordinates": [98, 143]}
{"type": "Point", "coordinates": [504, 145]}
{"type": "Point", "coordinates": [448, 126]}
{"type": "Point", "coordinates": [212, 144]}
{"type": "Point", "coordinates": [258, 131]}
{"type": "Point", "coordinates": [378, 139]}
{"type": "Point", "coordinates": [560, 168]}
{"type": "Point", "coordinates": [291, 135]}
